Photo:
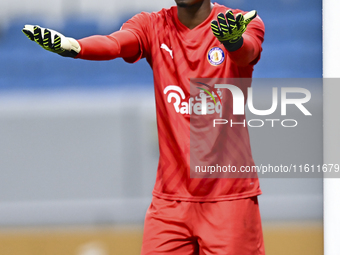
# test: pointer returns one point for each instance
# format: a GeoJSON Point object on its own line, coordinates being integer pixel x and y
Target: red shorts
{"type": "Point", "coordinates": [219, 228]}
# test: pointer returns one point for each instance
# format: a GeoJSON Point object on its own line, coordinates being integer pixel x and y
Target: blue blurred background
{"type": "Point", "coordinates": [78, 146]}
{"type": "Point", "coordinates": [292, 46]}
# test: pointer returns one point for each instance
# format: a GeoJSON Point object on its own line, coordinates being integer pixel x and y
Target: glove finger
{"type": "Point", "coordinates": [248, 17]}
{"type": "Point", "coordinates": [38, 36]}
{"type": "Point", "coordinates": [239, 20]}
{"type": "Point", "coordinates": [48, 39]}
{"type": "Point", "coordinates": [57, 43]}
{"type": "Point", "coordinates": [231, 21]}
{"type": "Point", "coordinates": [223, 23]}
{"type": "Point", "coordinates": [29, 34]}
{"type": "Point", "coordinates": [215, 29]}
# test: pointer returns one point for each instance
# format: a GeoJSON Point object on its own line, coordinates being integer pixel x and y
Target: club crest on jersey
{"type": "Point", "coordinates": [216, 56]}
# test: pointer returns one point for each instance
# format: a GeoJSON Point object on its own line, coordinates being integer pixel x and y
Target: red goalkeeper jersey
{"type": "Point", "coordinates": [176, 54]}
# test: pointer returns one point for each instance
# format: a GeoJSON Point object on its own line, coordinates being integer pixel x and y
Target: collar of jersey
{"type": "Point", "coordinates": [184, 29]}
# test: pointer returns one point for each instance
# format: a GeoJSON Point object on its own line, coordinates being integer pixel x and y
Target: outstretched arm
{"type": "Point", "coordinates": [119, 44]}
{"type": "Point", "coordinates": [249, 53]}
{"type": "Point", "coordinates": [242, 36]}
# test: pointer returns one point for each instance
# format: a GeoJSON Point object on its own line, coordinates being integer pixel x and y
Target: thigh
{"type": "Point", "coordinates": [166, 229]}
{"type": "Point", "coordinates": [230, 228]}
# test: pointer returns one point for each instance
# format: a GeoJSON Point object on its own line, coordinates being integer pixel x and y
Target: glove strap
{"type": "Point", "coordinates": [233, 46]}
{"type": "Point", "coordinates": [70, 54]}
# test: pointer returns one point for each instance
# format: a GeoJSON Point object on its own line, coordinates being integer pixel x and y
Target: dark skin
{"type": "Point", "coordinates": [191, 13]}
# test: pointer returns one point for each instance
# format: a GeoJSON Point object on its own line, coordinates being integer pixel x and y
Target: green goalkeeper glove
{"type": "Point", "coordinates": [229, 29]}
{"type": "Point", "coordinates": [52, 41]}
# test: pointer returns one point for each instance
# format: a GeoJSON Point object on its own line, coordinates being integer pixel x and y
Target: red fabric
{"type": "Point", "coordinates": [186, 58]}
{"type": "Point", "coordinates": [119, 44]}
{"type": "Point", "coordinates": [189, 228]}
{"type": "Point", "coordinates": [250, 51]}
{"type": "Point", "coordinates": [177, 54]}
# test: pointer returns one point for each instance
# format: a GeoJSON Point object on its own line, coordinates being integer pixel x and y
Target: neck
{"type": "Point", "coordinates": [192, 16]}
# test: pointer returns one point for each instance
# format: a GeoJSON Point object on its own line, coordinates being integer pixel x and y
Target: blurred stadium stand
{"type": "Point", "coordinates": [292, 46]}
{"type": "Point", "coordinates": [67, 154]}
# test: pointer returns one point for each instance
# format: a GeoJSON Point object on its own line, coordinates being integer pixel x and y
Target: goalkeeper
{"type": "Point", "coordinates": [195, 38]}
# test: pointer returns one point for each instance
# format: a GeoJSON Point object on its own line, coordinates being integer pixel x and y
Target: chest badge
{"type": "Point", "coordinates": [216, 56]}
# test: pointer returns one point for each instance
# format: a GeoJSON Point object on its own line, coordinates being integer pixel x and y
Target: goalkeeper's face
{"type": "Point", "coordinates": [188, 3]}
